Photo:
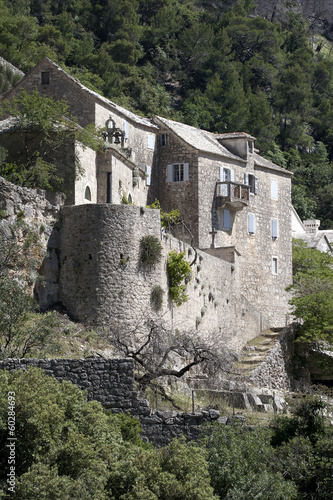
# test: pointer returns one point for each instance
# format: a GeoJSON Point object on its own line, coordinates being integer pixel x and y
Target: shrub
{"type": "Point", "coordinates": [150, 250]}
{"type": "Point", "coordinates": [178, 270]}
{"type": "Point", "coordinates": [156, 297]}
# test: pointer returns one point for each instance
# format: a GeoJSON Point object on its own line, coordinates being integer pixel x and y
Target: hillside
{"type": "Point", "coordinates": [217, 66]}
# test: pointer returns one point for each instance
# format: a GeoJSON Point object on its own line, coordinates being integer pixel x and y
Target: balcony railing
{"type": "Point", "coordinates": [231, 194]}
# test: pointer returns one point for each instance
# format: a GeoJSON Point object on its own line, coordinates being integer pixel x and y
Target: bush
{"type": "Point", "coordinates": [178, 270]}
{"type": "Point", "coordinates": [150, 250]}
{"type": "Point", "coordinates": [156, 297]}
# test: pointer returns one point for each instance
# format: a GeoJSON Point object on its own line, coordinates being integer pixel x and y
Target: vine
{"type": "Point", "coordinates": [178, 270]}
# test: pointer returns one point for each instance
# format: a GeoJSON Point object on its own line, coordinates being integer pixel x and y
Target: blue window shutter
{"type": "Point", "coordinates": [226, 219]}
{"type": "Point", "coordinates": [186, 171]}
{"type": "Point", "coordinates": [170, 173]}
{"type": "Point", "coordinates": [274, 228]}
{"type": "Point", "coordinates": [251, 223]}
{"type": "Point", "coordinates": [148, 178]}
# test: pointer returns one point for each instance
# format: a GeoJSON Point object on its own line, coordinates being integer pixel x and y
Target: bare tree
{"type": "Point", "coordinates": [159, 352]}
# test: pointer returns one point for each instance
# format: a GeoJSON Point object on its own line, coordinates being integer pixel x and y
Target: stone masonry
{"type": "Point", "coordinates": [111, 382]}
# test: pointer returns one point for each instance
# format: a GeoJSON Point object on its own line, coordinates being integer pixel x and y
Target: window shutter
{"type": "Point", "coordinates": [251, 223]}
{"type": "Point", "coordinates": [226, 219]}
{"type": "Point", "coordinates": [170, 173]}
{"type": "Point", "coordinates": [221, 174]}
{"type": "Point", "coordinates": [274, 190]}
{"type": "Point", "coordinates": [126, 129]}
{"type": "Point", "coordinates": [186, 172]}
{"type": "Point", "coordinates": [256, 184]}
{"type": "Point", "coordinates": [246, 179]}
{"type": "Point", "coordinates": [232, 176]}
{"type": "Point", "coordinates": [274, 228]}
{"type": "Point", "coordinates": [150, 141]}
{"type": "Point", "coordinates": [148, 172]}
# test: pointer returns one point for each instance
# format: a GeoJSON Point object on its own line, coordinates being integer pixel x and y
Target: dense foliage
{"type": "Point", "coordinates": [69, 448]}
{"type": "Point", "coordinates": [312, 292]}
{"type": "Point", "coordinates": [210, 64]}
{"type": "Point", "coordinates": [40, 157]}
{"type": "Point", "coordinates": [72, 449]}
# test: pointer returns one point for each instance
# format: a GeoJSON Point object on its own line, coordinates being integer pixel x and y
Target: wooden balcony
{"type": "Point", "coordinates": [232, 195]}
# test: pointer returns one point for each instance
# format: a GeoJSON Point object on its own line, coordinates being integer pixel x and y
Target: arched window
{"type": "Point", "coordinates": [129, 198]}
{"type": "Point", "coordinates": [87, 194]}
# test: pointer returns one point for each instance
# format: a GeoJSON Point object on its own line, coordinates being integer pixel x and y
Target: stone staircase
{"type": "Point", "coordinates": [256, 350]}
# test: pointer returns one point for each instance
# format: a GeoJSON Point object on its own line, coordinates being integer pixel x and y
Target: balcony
{"type": "Point", "coordinates": [232, 195]}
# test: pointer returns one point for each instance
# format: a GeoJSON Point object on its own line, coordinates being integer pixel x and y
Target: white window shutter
{"type": "Point", "coordinates": [256, 185]}
{"type": "Point", "coordinates": [148, 173]}
{"type": "Point", "coordinates": [251, 222]}
{"type": "Point", "coordinates": [150, 141]}
{"type": "Point", "coordinates": [274, 228]}
{"type": "Point", "coordinates": [221, 174]}
{"type": "Point", "coordinates": [186, 171]}
{"type": "Point", "coordinates": [246, 179]}
{"type": "Point", "coordinates": [232, 175]}
{"type": "Point", "coordinates": [170, 173]}
{"type": "Point", "coordinates": [126, 129]}
{"type": "Point", "coordinates": [274, 190]}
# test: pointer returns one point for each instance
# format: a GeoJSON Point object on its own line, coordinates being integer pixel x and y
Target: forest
{"type": "Point", "coordinates": [210, 64]}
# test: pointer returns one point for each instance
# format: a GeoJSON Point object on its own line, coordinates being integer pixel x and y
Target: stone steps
{"type": "Point", "coordinates": [256, 350]}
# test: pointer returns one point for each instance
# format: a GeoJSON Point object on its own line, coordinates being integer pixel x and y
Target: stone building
{"type": "Point", "coordinates": [235, 204]}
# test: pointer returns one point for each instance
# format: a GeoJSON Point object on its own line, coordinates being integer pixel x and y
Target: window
{"type": "Point", "coordinates": [87, 194]}
{"type": "Point", "coordinates": [251, 181]}
{"type": "Point", "coordinates": [148, 175]}
{"type": "Point", "coordinates": [227, 175]}
{"type": "Point", "coordinates": [151, 141]}
{"type": "Point", "coordinates": [178, 172]}
{"type": "Point", "coordinates": [163, 139]}
{"type": "Point", "coordinates": [251, 223]}
{"type": "Point", "coordinates": [274, 265]}
{"type": "Point", "coordinates": [274, 190]}
{"type": "Point", "coordinates": [250, 146]}
{"type": "Point", "coordinates": [226, 219]}
{"type": "Point", "coordinates": [274, 229]}
{"type": "Point", "coordinates": [45, 78]}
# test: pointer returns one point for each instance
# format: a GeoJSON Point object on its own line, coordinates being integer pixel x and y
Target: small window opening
{"type": "Point", "coordinates": [87, 194]}
{"type": "Point", "coordinates": [45, 78]}
{"type": "Point", "coordinates": [275, 265]}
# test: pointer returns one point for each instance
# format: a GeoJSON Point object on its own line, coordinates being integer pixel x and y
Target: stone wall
{"type": "Point", "coordinates": [111, 382]}
{"type": "Point", "coordinates": [276, 371]}
{"type": "Point", "coordinates": [103, 282]}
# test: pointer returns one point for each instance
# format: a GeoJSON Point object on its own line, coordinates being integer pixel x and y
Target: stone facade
{"type": "Point", "coordinates": [235, 205]}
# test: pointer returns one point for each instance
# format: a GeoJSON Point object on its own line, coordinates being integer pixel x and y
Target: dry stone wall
{"type": "Point", "coordinates": [111, 382]}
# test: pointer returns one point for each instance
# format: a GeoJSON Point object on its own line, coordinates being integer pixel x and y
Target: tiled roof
{"type": "Point", "coordinates": [234, 135]}
{"type": "Point", "coordinates": [262, 162]}
{"type": "Point", "coordinates": [198, 139]}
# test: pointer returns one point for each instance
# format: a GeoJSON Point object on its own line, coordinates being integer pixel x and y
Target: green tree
{"type": "Point", "coordinates": [312, 290]}
{"type": "Point", "coordinates": [45, 130]}
{"type": "Point", "coordinates": [71, 448]}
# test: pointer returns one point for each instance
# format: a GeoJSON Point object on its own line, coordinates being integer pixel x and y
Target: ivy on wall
{"type": "Point", "coordinates": [178, 270]}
